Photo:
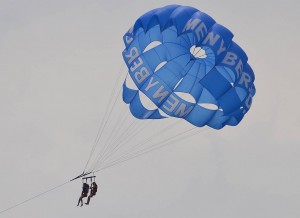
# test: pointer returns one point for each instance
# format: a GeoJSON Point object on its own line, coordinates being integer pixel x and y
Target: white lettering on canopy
{"type": "Point", "coordinates": [231, 59]}
{"type": "Point", "coordinates": [197, 26]}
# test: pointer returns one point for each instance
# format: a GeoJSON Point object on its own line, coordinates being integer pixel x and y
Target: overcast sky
{"type": "Point", "coordinates": [58, 63]}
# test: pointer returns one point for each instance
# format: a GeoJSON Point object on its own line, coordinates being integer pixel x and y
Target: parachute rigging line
{"type": "Point", "coordinates": [34, 197]}
{"type": "Point", "coordinates": [106, 145]}
{"type": "Point", "coordinates": [153, 148]}
{"type": "Point", "coordinates": [128, 129]}
{"type": "Point", "coordinates": [105, 117]}
{"type": "Point", "coordinates": [115, 130]}
{"type": "Point", "coordinates": [118, 140]}
{"type": "Point", "coordinates": [158, 144]}
{"type": "Point", "coordinates": [163, 131]}
{"type": "Point", "coordinates": [126, 139]}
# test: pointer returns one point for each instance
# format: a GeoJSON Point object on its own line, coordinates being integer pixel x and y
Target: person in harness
{"type": "Point", "coordinates": [84, 193]}
{"type": "Point", "coordinates": [93, 192]}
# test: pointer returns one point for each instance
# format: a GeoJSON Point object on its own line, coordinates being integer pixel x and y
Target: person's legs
{"type": "Point", "coordinates": [88, 200]}
{"type": "Point", "coordinates": [83, 196]}
{"type": "Point", "coordinates": [80, 200]}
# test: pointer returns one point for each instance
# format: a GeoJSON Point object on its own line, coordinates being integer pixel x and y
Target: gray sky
{"type": "Point", "coordinates": [58, 62]}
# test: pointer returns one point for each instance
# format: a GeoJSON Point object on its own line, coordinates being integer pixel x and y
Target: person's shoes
{"type": "Point", "coordinates": [81, 205]}
{"type": "Point", "coordinates": [87, 203]}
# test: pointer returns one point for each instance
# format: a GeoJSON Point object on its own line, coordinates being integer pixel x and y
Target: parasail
{"type": "Point", "coordinates": [183, 64]}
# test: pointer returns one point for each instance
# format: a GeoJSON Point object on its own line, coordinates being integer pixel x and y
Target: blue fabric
{"type": "Point", "coordinates": [191, 55]}
{"type": "Point", "coordinates": [139, 111]}
{"type": "Point", "coordinates": [128, 94]}
{"type": "Point", "coordinates": [215, 83]}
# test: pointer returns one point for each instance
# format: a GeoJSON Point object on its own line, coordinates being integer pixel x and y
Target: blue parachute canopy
{"type": "Point", "coordinates": [183, 64]}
